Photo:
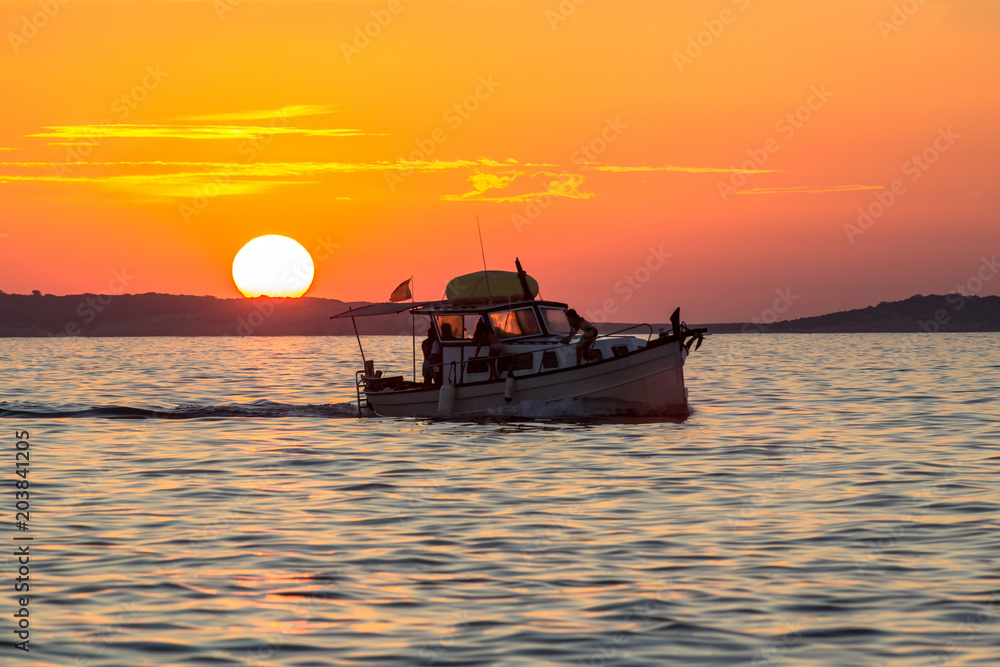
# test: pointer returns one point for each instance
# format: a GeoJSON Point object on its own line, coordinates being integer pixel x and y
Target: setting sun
{"type": "Point", "coordinates": [273, 266]}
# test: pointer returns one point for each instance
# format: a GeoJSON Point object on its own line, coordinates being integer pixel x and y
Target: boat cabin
{"type": "Point", "coordinates": [531, 333]}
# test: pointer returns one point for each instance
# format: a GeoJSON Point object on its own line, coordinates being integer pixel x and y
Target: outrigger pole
{"type": "Point", "coordinates": [413, 326]}
{"type": "Point", "coordinates": [486, 272]}
{"type": "Point", "coordinates": [355, 323]}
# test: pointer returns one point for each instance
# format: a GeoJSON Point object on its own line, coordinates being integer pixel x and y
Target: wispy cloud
{"type": "Point", "coordinates": [483, 182]}
{"type": "Point", "coordinates": [303, 168]}
{"type": "Point", "coordinates": [567, 186]}
{"type": "Point", "coordinates": [491, 180]}
{"type": "Point", "coordinates": [447, 165]}
{"type": "Point", "coordinates": [291, 111]}
{"type": "Point", "coordinates": [163, 186]}
{"type": "Point", "coordinates": [171, 179]}
{"type": "Point", "coordinates": [688, 170]}
{"type": "Point", "coordinates": [67, 134]}
{"type": "Point", "coordinates": [808, 189]}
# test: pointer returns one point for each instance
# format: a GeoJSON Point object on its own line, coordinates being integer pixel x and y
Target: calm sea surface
{"type": "Point", "coordinates": [832, 500]}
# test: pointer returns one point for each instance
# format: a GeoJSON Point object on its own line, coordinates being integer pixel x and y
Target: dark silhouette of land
{"type": "Point", "coordinates": [171, 315]}
{"type": "Point", "coordinates": [932, 313]}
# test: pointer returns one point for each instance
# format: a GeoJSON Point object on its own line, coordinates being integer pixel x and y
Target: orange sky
{"type": "Point", "coordinates": [158, 137]}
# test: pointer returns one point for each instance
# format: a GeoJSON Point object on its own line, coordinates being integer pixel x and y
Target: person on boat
{"type": "Point", "coordinates": [446, 332]}
{"type": "Point", "coordinates": [585, 346]}
{"type": "Point", "coordinates": [431, 348]}
{"type": "Point", "coordinates": [484, 335]}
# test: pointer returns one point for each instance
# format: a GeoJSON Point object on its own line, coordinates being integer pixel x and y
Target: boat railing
{"type": "Point", "coordinates": [360, 382]}
{"type": "Point", "coordinates": [458, 368]}
{"type": "Point", "coordinates": [634, 326]}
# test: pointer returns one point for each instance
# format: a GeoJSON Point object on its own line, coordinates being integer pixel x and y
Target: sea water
{"type": "Point", "coordinates": [831, 500]}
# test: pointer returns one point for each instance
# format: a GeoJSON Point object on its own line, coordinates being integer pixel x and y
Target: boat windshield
{"type": "Point", "coordinates": [452, 327]}
{"type": "Point", "coordinates": [519, 322]}
{"type": "Point", "coordinates": [555, 320]}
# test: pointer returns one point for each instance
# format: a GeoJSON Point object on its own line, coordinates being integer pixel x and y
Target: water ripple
{"type": "Point", "coordinates": [817, 508]}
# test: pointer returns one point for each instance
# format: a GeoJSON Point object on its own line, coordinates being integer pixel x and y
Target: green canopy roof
{"type": "Point", "coordinates": [484, 285]}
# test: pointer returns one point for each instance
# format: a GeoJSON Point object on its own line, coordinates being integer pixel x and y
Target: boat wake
{"type": "Point", "coordinates": [586, 409]}
{"type": "Point", "coordinates": [256, 409]}
{"type": "Point", "coordinates": [576, 410]}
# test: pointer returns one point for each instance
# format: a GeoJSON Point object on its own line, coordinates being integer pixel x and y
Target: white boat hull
{"type": "Point", "coordinates": [650, 380]}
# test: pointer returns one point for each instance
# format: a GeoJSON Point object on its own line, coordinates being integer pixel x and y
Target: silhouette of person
{"type": "Point", "coordinates": [431, 348]}
{"type": "Point", "coordinates": [484, 336]}
{"type": "Point", "coordinates": [585, 346]}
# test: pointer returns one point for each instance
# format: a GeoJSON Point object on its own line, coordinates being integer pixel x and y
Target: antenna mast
{"type": "Point", "coordinates": [483, 251]}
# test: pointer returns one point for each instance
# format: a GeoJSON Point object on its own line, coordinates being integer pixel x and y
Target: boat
{"type": "Point", "coordinates": [532, 371]}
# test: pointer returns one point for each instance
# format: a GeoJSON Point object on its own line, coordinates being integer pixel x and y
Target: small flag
{"type": "Point", "coordinates": [401, 293]}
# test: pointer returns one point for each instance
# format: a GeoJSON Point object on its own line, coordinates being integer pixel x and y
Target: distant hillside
{"type": "Point", "coordinates": [170, 315]}
{"type": "Point", "coordinates": [949, 312]}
